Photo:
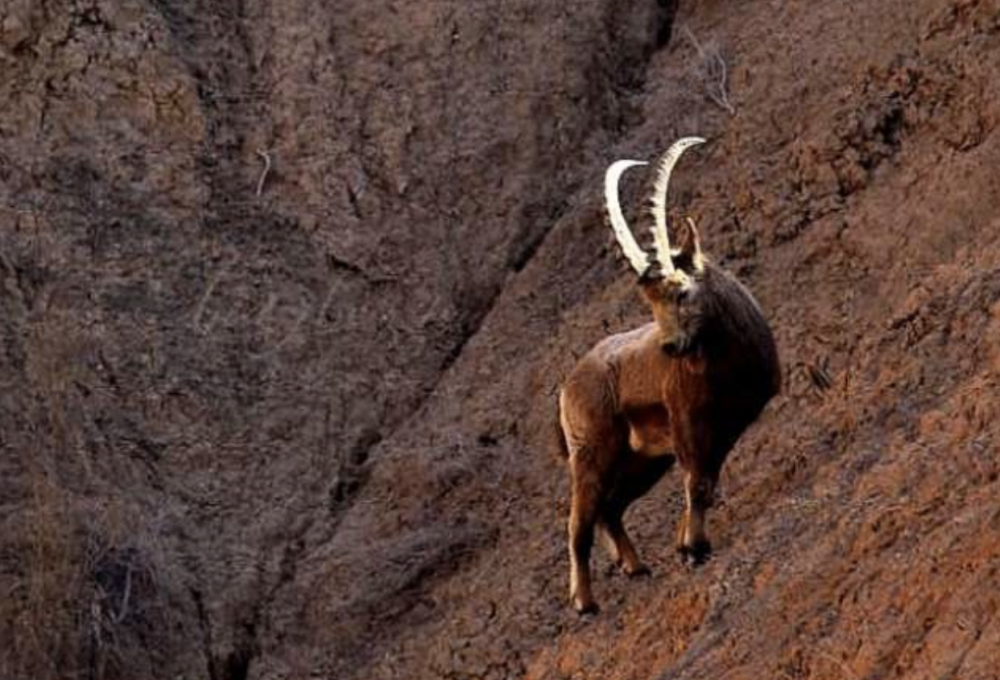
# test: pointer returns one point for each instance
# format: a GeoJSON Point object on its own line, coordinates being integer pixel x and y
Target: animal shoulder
{"type": "Point", "coordinates": [627, 343]}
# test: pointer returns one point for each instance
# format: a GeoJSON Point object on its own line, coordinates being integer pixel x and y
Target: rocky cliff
{"type": "Point", "coordinates": [287, 288]}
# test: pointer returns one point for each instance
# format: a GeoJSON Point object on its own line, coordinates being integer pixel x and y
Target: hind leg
{"type": "Point", "coordinates": [594, 438]}
{"type": "Point", "coordinates": [583, 516]}
{"type": "Point", "coordinates": [620, 546]}
{"type": "Point", "coordinates": [639, 474]}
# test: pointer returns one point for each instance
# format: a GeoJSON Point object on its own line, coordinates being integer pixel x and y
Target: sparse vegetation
{"type": "Point", "coordinates": [88, 592]}
{"type": "Point", "coordinates": [40, 613]}
{"type": "Point", "coordinates": [85, 574]}
{"type": "Point", "coordinates": [710, 69]}
{"type": "Point", "coordinates": [88, 589]}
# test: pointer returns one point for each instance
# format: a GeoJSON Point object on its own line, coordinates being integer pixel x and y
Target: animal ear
{"type": "Point", "coordinates": [689, 257]}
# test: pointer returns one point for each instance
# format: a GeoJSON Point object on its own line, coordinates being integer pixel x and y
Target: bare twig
{"type": "Point", "coordinates": [712, 69]}
{"type": "Point", "coordinates": [819, 374]}
{"type": "Point", "coordinates": [123, 610]}
{"type": "Point", "coordinates": [199, 311]}
{"type": "Point", "coordinates": [267, 168]}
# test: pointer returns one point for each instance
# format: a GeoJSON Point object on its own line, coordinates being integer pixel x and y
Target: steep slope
{"type": "Point", "coordinates": [295, 423]}
{"type": "Point", "coordinates": [853, 191]}
{"type": "Point", "coordinates": [241, 242]}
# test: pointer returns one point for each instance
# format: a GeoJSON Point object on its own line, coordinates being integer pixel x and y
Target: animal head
{"type": "Point", "coordinates": [671, 279]}
{"type": "Point", "coordinates": [677, 300]}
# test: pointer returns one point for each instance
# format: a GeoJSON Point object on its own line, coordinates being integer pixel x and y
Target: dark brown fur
{"type": "Point", "coordinates": [685, 386]}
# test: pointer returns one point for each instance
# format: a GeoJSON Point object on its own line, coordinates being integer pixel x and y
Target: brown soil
{"type": "Point", "coordinates": [296, 424]}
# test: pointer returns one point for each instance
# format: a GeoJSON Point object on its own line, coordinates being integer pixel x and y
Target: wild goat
{"type": "Point", "coordinates": [684, 386]}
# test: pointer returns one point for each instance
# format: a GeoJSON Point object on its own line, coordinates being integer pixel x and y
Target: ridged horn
{"type": "Point", "coordinates": [633, 253]}
{"type": "Point", "coordinates": [661, 241]}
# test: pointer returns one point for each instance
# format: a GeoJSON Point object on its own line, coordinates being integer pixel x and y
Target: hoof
{"type": "Point", "coordinates": [638, 571]}
{"type": "Point", "coordinates": [697, 554]}
{"type": "Point", "coordinates": [585, 608]}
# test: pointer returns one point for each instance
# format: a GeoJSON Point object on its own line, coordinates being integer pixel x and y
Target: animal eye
{"type": "Point", "coordinates": [682, 295]}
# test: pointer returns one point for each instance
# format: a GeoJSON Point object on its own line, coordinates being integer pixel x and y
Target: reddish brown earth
{"type": "Point", "coordinates": [304, 431]}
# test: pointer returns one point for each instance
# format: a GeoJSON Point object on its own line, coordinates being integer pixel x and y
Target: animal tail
{"type": "Point", "coordinates": [559, 446]}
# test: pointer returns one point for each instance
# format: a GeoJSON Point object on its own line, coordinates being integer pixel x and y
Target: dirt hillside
{"type": "Point", "coordinates": [287, 289]}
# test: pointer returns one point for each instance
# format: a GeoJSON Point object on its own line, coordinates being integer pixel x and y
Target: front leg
{"type": "Point", "coordinates": [701, 453]}
{"type": "Point", "coordinates": [692, 538]}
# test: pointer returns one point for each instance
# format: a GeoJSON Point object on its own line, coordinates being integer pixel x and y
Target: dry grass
{"type": "Point", "coordinates": [88, 591]}
{"type": "Point", "coordinates": [85, 578]}
{"type": "Point", "coordinates": [38, 615]}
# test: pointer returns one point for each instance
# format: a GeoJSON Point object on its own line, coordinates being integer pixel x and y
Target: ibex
{"type": "Point", "coordinates": [684, 387]}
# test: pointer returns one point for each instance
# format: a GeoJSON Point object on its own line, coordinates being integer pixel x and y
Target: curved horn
{"type": "Point", "coordinates": [633, 253]}
{"type": "Point", "coordinates": [661, 240]}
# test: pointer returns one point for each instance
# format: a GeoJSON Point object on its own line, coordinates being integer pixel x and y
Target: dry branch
{"type": "Point", "coordinates": [713, 73]}
{"type": "Point", "coordinates": [263, 175]}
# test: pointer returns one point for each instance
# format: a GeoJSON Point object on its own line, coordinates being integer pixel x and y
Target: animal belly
{"type": "Point", "coordinates": [649, 432]}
